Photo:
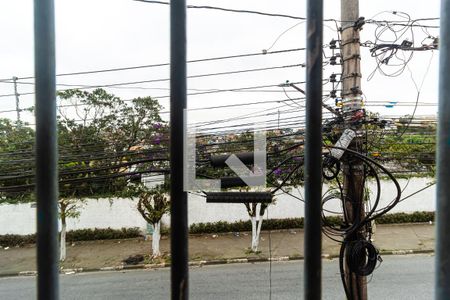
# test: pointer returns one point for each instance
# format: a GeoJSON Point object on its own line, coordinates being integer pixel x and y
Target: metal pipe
{"type": "Point", "coordinates": [46, 151]}
{"type": "Point", "coordinates": [313, 151]}
{"type": "Point", "coordinates": [443, 161]}
{"type": "Point", "coordinates": [178, 210]}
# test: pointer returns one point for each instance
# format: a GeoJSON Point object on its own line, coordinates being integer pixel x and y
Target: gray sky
{"type": "Point", "coordinates": [102, 34]}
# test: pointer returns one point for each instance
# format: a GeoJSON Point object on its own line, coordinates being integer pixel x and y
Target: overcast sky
{"type": "Point", "coordinates": [102, 34]}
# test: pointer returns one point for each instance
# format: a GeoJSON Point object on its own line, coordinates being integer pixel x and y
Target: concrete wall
{"type": "Point", "coordinates": [103, 213]}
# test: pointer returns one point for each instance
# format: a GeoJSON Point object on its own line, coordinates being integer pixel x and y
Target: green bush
{"type": "Point", "coordinates": [274, 224]}
{"type": "Point", "coordinates": [102, 234]}
{"type": "Point", "coordinates": [220, 227]}
{"type": "Point", "coordinates": [12, 240]}
{"type": "Point", "coordinates": [415, 217]}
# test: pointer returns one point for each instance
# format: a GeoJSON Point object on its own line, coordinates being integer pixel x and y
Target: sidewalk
{"type": "Point", "coordinates": [217, 248]}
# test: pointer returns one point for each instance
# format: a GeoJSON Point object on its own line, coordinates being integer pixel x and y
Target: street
{"type": "Point", "coordinates": [398, 277]}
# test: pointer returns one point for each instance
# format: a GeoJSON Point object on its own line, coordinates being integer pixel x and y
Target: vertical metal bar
{"type": "Point", "coordinates": [46, 151]}
{"type": "Point", "coordinates": [313, 151]}
{"type": "Point", "coordinates": [443, 161]}
{"type": "Point", "coordinates": [178, 211]}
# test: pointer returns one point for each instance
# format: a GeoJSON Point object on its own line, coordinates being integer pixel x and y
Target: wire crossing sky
{"type": "Point", "coordinates": [124, 49]}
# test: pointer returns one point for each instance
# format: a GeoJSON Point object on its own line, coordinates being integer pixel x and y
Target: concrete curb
{"type": "Point", "coordinates": [28, 273]}
{"type": "Point", "coordinates": [201, 263]}
{"type": "Point", "coordinates": [8, 275]}
{"type": "Point", "coordinates": [406, 252]}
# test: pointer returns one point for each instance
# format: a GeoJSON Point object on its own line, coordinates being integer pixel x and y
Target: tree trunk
{"type": "Point", "coordinates": [258, 233]}
{"type": "Point", "coordinates": [156, 237]}
{"type": "Point", "coordinates": [62, 253]}
{"type": "Point", "coordinates": [254, 234]}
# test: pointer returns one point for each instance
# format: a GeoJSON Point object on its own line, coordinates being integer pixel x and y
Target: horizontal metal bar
{"type": "Point", "coordinates": [229, 182]}
{"type": "Point", "coordinates": [247, 158]}
{"type": "Point", "coordinates": [239, 197]}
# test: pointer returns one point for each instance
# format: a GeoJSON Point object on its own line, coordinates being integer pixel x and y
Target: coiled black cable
{"type": "Point", "coordinates": [361, 256]}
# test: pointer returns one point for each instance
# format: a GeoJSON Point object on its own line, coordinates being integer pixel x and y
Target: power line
{"type": "Point", "coordinates": [228, 10]}
{"type": "Point", "coordinates": [8, 80]}
{"type": "Point", "coordinates": [83, 180]}
{"type": "Point", "coordinates": [165, 79]}
{"type": "Point", "coordinates": [191, 76]}
{"type": "Point", "coordinates": [244, 11]}
{"type": "Point", "coordinates": [212, 91]}
{"type": "Point", "coordinates": [86, 146]}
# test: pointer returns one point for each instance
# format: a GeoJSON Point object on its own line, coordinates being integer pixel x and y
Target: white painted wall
{"type": "Point", "coordinates": [21, 218]}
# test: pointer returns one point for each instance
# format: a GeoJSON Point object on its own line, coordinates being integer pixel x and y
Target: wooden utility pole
{"type": "Point", "coordinates": [351, 106]}
{"type": "Point", "coordinates": [17, 98]}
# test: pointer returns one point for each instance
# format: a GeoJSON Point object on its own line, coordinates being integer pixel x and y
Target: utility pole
{"type": "Point", "coordinates": [352, 111]}
{"type": "Point", "coordinates": [17, 98]}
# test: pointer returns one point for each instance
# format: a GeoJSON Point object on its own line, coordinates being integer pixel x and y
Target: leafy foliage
{"type": "Point", "coordinates": [101, 140]}
{"type": "Point", "coordinates": [15, 144]}
{"type": "Point", "coordinates": [106, 142]}
{"type": "Point", "coordinates": [12, 240]}
{"type": "Point", "coordinates": [292, 223]}
{"type": "Point", "coordinates": [153, 203]}
{"type": "Point", "coordinates": [413, 151]}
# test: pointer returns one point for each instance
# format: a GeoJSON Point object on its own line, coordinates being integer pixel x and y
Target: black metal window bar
{"type": "Point", "coordinates": [46, 151]}
{"type": "Point", "coordinates": [442, 284]}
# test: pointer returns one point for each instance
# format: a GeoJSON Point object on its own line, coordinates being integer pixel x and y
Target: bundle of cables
{"type": "Point", "coordinates": [395, 42]}
{"type": "Point", "coordinates": [358, 256]}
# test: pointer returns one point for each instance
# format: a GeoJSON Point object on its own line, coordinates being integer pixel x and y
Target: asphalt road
{"type": "Point", "coordinates": [398, 277]}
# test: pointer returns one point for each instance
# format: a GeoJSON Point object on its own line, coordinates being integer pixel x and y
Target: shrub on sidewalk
{"type": "Point", "coordinates": [12, 240]}
{"type": "Point", "coordinates": [221, 226]}
{"type": "Point", "coordinates": [415, 217]}
{"type": "Point", "coordinates": [102, 234]}
{"type": "Point", "coordinates": [291, 223]}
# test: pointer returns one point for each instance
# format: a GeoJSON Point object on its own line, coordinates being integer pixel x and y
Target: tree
{"type": "Point", "coordinates": [16, 156]}
{"type": "Point", "coordinates": [98, 148]}
{"type": "Point", "coordinates": [411, 149]}
{"type": "Point", "coordinates": [153, 205]}
{"type": "Point", "coordinates": [68, 208]}
{"type": "Point", "coordinates": [98, 134]}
